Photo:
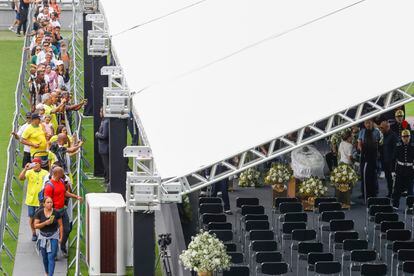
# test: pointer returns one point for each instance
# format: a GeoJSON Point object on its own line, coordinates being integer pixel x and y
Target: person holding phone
{"type": "Point", "coordinates": [35, 176]}
{"type": "Point", "coordinates": [49, 222]}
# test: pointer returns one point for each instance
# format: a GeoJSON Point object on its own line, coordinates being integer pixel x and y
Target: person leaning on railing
{"type": "Point", "coordinates": [59, 192]}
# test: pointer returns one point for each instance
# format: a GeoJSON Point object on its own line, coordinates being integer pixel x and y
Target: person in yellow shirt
{"type": "Point", "coordinates": [35, 137]}
{"type": "Point", "coordinates": [51, 109]}
{"type": "Point", "coordinates": [35, 176]}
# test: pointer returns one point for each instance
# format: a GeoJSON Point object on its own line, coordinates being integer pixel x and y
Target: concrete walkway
{"type": "Point", "coordinates": [27, 261]}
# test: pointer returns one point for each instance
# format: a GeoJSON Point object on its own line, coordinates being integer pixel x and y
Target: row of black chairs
{"type": "Point", "coordinates": [294, 227]}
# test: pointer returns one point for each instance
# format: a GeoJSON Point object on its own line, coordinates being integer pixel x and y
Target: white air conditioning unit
{"type": "Point", "coordinates": [105, 233]}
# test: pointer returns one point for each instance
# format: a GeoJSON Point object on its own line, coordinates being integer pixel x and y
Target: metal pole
{"type": "Point", "coordinates": [144, 241]}
{"type": "Point", "coordinates": [98, 83]}
{"type": "Point", "coordinates": [117, 162]}
{"type": "Point", "coordinates": [87, 63]}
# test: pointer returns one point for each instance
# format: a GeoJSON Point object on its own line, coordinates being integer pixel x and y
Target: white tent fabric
{"type": "Point", "coordinates": [203, 33]}
{"type": "Point", "coordinates": [267, 90]}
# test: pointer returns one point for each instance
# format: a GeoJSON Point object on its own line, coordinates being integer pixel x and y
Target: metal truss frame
{"type": "Point", "coordinates": [308, 134]}
{"type": "Point", "coordinates": [116, 96]}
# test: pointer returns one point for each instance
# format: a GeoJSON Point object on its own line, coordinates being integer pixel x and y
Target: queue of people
{"type": "Point", "coordinates": [45, 135]}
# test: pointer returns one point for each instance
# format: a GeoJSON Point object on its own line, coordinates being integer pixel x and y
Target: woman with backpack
{"type": "Point", "coordinates": [49, 222]}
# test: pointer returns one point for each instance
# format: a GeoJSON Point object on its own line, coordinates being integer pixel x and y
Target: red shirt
{"type": "Point", "coordinates": [57, 193]}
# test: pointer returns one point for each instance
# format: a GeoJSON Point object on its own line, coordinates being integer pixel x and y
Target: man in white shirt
{"type": "Point", "coordinates": [18, 135]}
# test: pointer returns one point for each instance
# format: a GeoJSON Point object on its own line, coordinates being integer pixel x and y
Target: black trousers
{"type": "Point", "coordinates": [222, 187]}
{"type": "Point", "coordinates": [67, 227]}
{"type": "Point", "coordinates": [22, 21]}
{"type": "Point", "coordinates": [388, 168]}
{"type": "Point", "coordinates": [105, 162]}
{"type": "Point", "coordinates": [26, 159]}
{"type": "Point", "coordinates": [403, 181]}
{"type": "Point", "coordinates": [369, 179]}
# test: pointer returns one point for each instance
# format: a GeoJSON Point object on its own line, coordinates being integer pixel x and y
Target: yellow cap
{"type": "Point", "coordinates": [399, 113]}
{"type": "Point", "coordinates": [405, 132]}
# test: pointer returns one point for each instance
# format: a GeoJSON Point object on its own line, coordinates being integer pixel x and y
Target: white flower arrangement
{"type": "Point", "coordinates": [344, 177]}
{"type": "Point", "coordinates": [278, 173]}
{"type": "Point", "coordinates": [205, 253]}
{"type": "Point", "coordinates": [312, 187]}
{"type": "Point", "coordinates": [250, 178]}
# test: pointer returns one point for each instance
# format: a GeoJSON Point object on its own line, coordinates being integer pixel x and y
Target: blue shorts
{"type": "Point", "coordinates": [32, 210]}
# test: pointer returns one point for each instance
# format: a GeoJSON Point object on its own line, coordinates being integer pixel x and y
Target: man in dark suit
{"type": "Point", "coordinates": [103, 144]}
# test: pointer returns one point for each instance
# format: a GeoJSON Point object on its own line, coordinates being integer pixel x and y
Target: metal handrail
{"type": "Point", "coordinates": [13, 149]}
{"type": "Point", "coordinates": [77, 94]}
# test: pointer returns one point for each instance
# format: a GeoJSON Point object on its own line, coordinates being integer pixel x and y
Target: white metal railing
{"type": "Point", "coordinates": [76, 45]}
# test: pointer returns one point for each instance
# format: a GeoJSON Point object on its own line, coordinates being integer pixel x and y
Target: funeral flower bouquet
{"type": "Point", "coordinates": [250, 178]}
{"type": "Point", "coordinates": [312, 187]}
{"type": "Point", "coordinates": [344, 177]}
{"type": "Point", "coordinates": [278, 173]}
{"type": "Point", "coordinates": [205, 253]}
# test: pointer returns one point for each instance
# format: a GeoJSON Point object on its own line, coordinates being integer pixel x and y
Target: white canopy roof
{"type": "Point", "coordinates": [196, 118]}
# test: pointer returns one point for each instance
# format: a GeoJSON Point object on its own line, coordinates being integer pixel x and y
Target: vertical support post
{"type": "Point", "coordinates": [144, 244]}
{"type": "Point", "coordinates": [98, 84]}
{"type": "Point", "coordinates": [87, 68]}
{"type": "Point", "coordinates": [117, 161]}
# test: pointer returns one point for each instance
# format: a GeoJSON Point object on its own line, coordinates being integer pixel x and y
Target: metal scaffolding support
{"type": "Point", "coordinates": [281, 145]}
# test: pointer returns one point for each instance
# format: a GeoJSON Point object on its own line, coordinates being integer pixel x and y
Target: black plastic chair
{"type": "Point", "coordinates": [324, 199]}
{"type": "Point", "coordinates": [409, 209]}
{"type": "Point", "coordinates": [296, 217]}
{"type": "Point", "coordinates": [230, 247]}
{"type": "Point", "coordinates": [204, 200]}
{"type": "Point", "coordinates": [393, 235]}
{"type": "Point", "coordinates": [223, 235]}
{"type": "Point", "coordinates": [249, 210]}
{"type": "Point", "coordinates": [237, 271]}
{"type": "Point", "coordinates": [326, 217]}
{"type": "Point", "coordinates": [274, 268]}
{"type": "Point", "coordinates": [211, 208]}
{"type": "Point", "coordinates": [340, 236]}
{"type": "Point", "coordinates": [372, 211]}
{"type": "Point", "coordinates": [258, 246]}
{"type": "Point", "coordinates": [385, 227]}
{"type": "Point", "coordinates": [240, 201]}
{"type": "Point", "coordinates": [207, 218]}
{"type": "Point", "coordinates": [378, 219]}
{"type": "Point", "coordinates": [350, 245]}
{"type": "Point", "coordinates": [288, 207]}
{"type": "Point", "coordinates": [408, 267]}
{"type": "Point", "coordinates": [326, 206]}
{"type": "Point", "coordinates": [300, 235]}
{"type": "Point", "coordinates": [398, 245]}
{"type": "Point", "coordinates": [358, 257]}
{"type": "Point", "coordinates": [253, 225]}
{"type": "Point", "coordinates": [315, 257]}
{"type": "Point", "coordinates": [236, 257]}
{"type": "Point", "coordinates": [258, 235]}
{"type": "Point", "coordinates": [373, 269]}
{"type": "Point", "coordinates": [327, 268]}
{"type": "Point", "coordinates": [266, 256]}
{"type": "Point", "coordinates": [276, 205]}
{"type": "Point", "coordinates": [336, 225]}
{"type": "Point", "coordinates": [304, 248]}
{"type": "Point", "coordinates": [287, 228]}
{"type": "Point", "coordinates": [404, 255]}
{"type": "Point", "coordinates": [219, 226]}
{"type": "Point", "coordinates": [255, 217]}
